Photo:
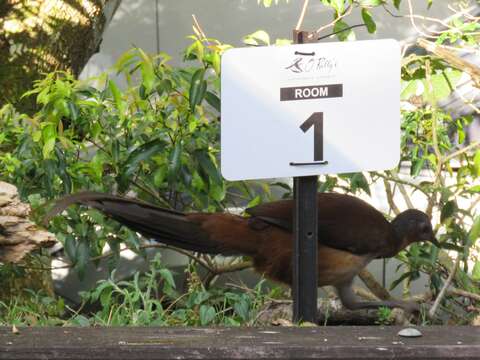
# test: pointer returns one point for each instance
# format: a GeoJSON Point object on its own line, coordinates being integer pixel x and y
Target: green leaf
{"type": "Point", "coordinates": [105, 298]}
{"type": "Point", "coordinates": [117, 98]}
{"type": "Point", "coordinates": [257, 38]}
{"type": "Point", "coordinates": [448, 246]}
{"type": "Point", "coordinates": [371, 3]}
{"type": "Point", "coordinates": [411, 88]}
{"type": "Point", "coordinates": [216, 61]}
{"type": "Point", "coordinates": [142, 153]}
{"type": "Point", "coordinates": [207, 168]}
{"type": "Point", "coordinates": [164, 86]}
{"type": "Point", "coordinates": [80, 320]}
{"type": "Point", "coordinates": [417, 166]}
{"type": "Point", "coordinates": [73, 109]}
{"type": "Point", "coordinates": [266, 3]}
{"type": "Point", "coordinates": [174, 164]}
{"type": "Point", "coordinates": [474, 189]}
{"type": "Point", "coordinates": [475, 230]}
{"type": "Point", "coordinates": [213, 100]}
{"type": "Point", "coordinates": [147, 70]}
{"type": "Point", "coordinates": [358, 181]}
{"type": "Point", "coordinates": [444, 83]}
{"type": "Point", "coordinates": [207, 314]}
{"type": "Point", "coordinates": [404, 276]}
{"type": "Point", "coordinates": [448, 210]}
{"type": "Point", "coordinates": [368, 20]}
{"type": "Point", "coordinates": [49, 136]}
{"type": "Point", "coordinates": [70, 248]}
{"type": "Point", "coordinates": [283, 42]}
{"type": "Point", "coordinates": [476, 163]}
{"type": "Point", "coordinates": [476, 271]}
{"type": "Point", "coordinates": [242, 309]}
{"type": "Point", "coordinates": [83, 255]}
{"type": "Point", "coordinates": [160, 175]}
{"type": "Point", "coordinates": [397, 3]}
{"type": "Point", "coordinates": [217, 192]}
{"type": "Point", "coordinates": [168, 277]}
{"type": "Point", "coordinates": [254, 202]}
{"type": "Point", "coordinates": [195, 51]}
{"type": "Point", "coordinates": [198, 87]}
{"type": "Point", "coordinates": [115, 148]}
{"type": "Point", "coordinates": [343, 31]}
{"type": "Point", "coordinates": [338, 5]}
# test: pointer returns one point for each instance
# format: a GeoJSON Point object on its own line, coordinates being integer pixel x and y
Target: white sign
{"type": "Point", "coordinates": [310, 109]}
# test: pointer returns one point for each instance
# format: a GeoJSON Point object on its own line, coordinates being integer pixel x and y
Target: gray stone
{"type": "Point", "coordinates": [409, 332]}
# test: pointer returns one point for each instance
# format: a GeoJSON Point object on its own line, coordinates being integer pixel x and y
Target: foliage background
{"type": "Point", "coordinates": [158, 139]}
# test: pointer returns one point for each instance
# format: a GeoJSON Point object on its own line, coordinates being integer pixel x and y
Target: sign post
{"type": "Point", "coordinates": [305, 226]}
{"type": "Point", "coordinates": [303, 110]}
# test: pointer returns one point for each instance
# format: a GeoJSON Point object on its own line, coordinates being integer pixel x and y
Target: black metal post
{"type": "Point", "coordinates": [305, 249]}
{"type": "Point", "coordinates": [305, 225]}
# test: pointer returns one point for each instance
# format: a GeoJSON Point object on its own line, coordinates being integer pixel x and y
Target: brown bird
{"type": "Point", "coordinates": [351, 233]}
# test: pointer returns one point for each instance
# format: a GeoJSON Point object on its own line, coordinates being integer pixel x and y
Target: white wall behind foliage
{"type": "Point", "coordinates": [135, 24]}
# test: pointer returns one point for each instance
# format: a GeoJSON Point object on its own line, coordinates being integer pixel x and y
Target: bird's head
{"type": "Point", "coordinates": [413, 226]}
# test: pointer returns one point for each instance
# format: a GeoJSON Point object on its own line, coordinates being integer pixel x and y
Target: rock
{"type": "Point", "coordinates": [409, 332]}
{"type": "Point", "coordinates": [18, 235]}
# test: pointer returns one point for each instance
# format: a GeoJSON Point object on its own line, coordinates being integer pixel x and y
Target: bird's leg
{"type": "Point", "coordinates": [351, 302]}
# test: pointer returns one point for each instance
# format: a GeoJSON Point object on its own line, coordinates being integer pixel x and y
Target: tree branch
{"type": "Point", "coordinates": [302, 15]}
{"type": "Point", "coordinates": [443, 291]}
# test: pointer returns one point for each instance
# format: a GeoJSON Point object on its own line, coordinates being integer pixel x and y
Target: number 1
{"type": "Point", "coordinates": [315, 120]}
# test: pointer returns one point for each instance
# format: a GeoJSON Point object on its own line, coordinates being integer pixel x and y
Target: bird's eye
{"type": "Point", "coordinates": [425, 228]}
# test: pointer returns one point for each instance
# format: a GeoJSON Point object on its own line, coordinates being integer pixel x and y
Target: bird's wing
{"type": "Point", "coordinates": [344, 222]}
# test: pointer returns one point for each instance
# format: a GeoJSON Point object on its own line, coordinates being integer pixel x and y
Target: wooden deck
{"type": "Point", "coordinates": [239, 343]}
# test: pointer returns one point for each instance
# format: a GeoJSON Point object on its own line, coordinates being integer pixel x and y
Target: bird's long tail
{"type": "Point", "coordinates": [164, 225]}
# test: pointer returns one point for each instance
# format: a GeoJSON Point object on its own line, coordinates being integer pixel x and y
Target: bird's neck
{"type": "Point", "coordinates": [401, 240]}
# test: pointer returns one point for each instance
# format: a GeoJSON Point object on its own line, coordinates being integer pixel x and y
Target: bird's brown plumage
{"type": "Point", "coordinates": [350, 233]}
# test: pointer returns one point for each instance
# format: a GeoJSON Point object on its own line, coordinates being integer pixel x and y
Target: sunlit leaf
{"type": "Point", "coordinates": [198, 87]}
{"type": "Point", "coordinates": [343, 31]}
{"type": "Point", "coordinates": [476, 271]}
{"type": "Point", "coordinates": [257, 38]}
{"type": "Point", "coordinates": [474, 233]}
{"type": "Point", "coordinates": [368, 20]}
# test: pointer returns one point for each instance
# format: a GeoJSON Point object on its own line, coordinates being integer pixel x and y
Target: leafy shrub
{"type": "Point", "coordinates": [149, 299]}
{"type": "Point", "coordinates": [159, 139]}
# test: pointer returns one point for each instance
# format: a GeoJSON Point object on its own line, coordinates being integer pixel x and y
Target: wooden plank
{"type": "Point", "coordinates": [119, 343]}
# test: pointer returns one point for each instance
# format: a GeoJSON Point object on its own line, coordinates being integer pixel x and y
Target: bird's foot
{"type": "Point", "coordinates": [410, 307]}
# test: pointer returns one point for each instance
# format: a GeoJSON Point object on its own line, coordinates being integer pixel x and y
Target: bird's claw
{"type": "Point", "coordinates": [411, 307]}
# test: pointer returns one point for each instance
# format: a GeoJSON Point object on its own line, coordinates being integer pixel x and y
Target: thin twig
{"type": "Point", "coordinates": [397, 180]}
{"type": "Point", "coordinates": [402, 189]}
{"type": "Point", "coordinates": [346, 13]}
{"type": "Point", "coordinates": [453, 59]}
{"type": "Point", "coordinates": [153, 194]}
{"type": "Point", "coordinates": [390, 196]}
{"type": "Point", "coordinates": [443, 291]}
{"type": "Point", "coordinates": [198, 29]}
{"type": "Point", "coordinates": [472, 146]}
{"type": "Point", "coordinates": [467, 294]}
{"type": "Point", "coordinates": [415, 16]}
{"type": "Point", "coordinates": [340, 31]}
{"type": "Point", "coordinates": [302, 15]}
{"type": "Point", "coordinates": [438, 180]}
{"type": "Point", "coordinates": [412, 20]}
